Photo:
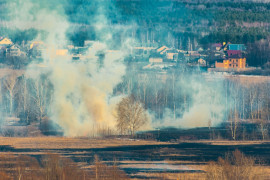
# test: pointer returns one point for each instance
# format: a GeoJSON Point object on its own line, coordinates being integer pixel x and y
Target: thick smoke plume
{"type": "Point", "coordinates": [82, 92]}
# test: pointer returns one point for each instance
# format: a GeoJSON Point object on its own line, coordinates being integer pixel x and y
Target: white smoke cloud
{"type": "Point", "coordinates": [82, 91]}
{"type": "Point", "coordinates": [207, 107]}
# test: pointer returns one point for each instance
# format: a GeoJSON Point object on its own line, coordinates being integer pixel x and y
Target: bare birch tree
{"type": "Point", "coordinates": [252, 98]}
{"type": "Point", "coordinates": [9, 83]}
{"type": "Point", "coordinates": [131, 115]}
{"type": "Point", "coordinates": [40, 96]}
{"type": "Point", "coordinates": [144, 82]}
{"type": "Point", "coordinates": [264, 123]}
{"type": "Point", "coordinates": [234, 120]}
{"type": "Point", "coordinates": [234, 114]}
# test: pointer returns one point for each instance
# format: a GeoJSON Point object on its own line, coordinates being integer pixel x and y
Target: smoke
{"type": "Point", "coordinates": [45, 16]}
{"type": "Point", "coordinates": [82, 93]}
{"type": "Point", "coordinates": [83, 101]}
{"type": "Point", "coordinates": [82, 98]}
{"type": "Point", "coordinates": [188, 100]}
{"type": "Point", "coordinates": [201, 100]}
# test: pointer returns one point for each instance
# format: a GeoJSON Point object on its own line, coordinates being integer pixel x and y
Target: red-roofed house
{"type": "Point", "coordinates": [216, 46]}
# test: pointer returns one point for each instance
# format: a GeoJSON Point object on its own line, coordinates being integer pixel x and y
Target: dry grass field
{"type": "Point", "coordinates": [59, 157]}
{"type": "Point", "coordinates": [65, 142]}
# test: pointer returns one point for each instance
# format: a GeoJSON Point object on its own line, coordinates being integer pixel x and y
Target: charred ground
{"type": "Point", "coordinates": [135, 156]}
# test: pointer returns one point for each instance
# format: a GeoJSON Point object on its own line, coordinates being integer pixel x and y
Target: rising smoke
{"type": "Point", "coordinates": [202, 104]}
{"type": "Point", "coordinates": [83, 92]}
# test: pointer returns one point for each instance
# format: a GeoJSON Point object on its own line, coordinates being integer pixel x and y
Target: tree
{"type": "Point", "coordinates": [10, 82]}
{"type": "Point", "coordinates": [131, 115]}
{"type": "Point", "coordinates": [264, 123]}
{"type": "Point", "coordinates": [234, 114]}
{"type": "Point", "coordinates": [40, 96]}
{"type": "Point", "coordinates": [23, 99]}
{"type": "Point", "coordinates": [252, 97]}
{"type": "Point", "coordinates": [234, 120]}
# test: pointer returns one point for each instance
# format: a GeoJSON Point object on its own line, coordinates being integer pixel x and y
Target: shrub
{"type": "Point", "coordinates": [235, 166]}
{"type": "Point", "coordinates": [102, 171]}
{"type": "Point", "coordinates": [58, 168]}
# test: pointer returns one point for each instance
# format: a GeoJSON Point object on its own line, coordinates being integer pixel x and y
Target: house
{"type": "Point", "coordinates": [216, 46]}
{"type": "Point", "coordinates": [239, 47]}
{"type": "Point", "coordinates": [5, 42]}
{"type": "Point", "coordinates": [61, 52]}
{"type": "Point", "coordinates": [14, 50]}
{"type": "Point", "coordinates": [231, 63]}
{"type": "Point", "coordinates": [156, 58]}
{"type": "Point", "coordinates": [172, 55]}
{"type": "Point", "coordinates": [143, 52]}
{"type": "Point", "coordinates": [201, 62]}
{"type": "Point", "coordinates": [37, 48]}
{"type": "Point", "coordinates": [36, 44]}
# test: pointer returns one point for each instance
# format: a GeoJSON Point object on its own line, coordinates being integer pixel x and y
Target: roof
{"type": "Point", "coordinates": [5, 41]}
{"type": "Point", "coordinates": [172, 51]}
{"type": "Point", "coordinates": [145, 48]}
{"type": "Point", "coordinates": [162, 49]}
{"type": "Point", "coordinates": [156, 55]}
{"type": "Point", "coordinates": [37, 44]}
{"type": "Point", "coordinates": [234, 53]}
{"type": "Point", "coordinates": [240, 47]}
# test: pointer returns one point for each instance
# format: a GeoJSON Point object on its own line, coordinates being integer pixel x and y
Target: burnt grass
{"type": "Point", "coordinates": [245, 131]}
{"type": "Point", "coordinates": [188, 152]}
{"type": "Point", "coordinates": [197, 153]}
{"type": "Point", "coordinates": [193, 153]}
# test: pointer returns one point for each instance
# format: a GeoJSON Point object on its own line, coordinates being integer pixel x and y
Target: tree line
{"type": "Point", "coordinates": [30, 99]}
{"type": "Point", "coordinates": [241, 101]}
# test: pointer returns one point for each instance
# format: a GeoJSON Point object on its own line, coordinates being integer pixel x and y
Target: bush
{"type": "Point", "coordinates": [102, 171]}
{"type": "Point", "coordinates": [235, 166]}
{"type": "Point", "coordinates": [55, 167]}
{"type": "Point", "coordinates": [58, 168]}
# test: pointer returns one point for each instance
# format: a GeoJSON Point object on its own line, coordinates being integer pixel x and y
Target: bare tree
{"type": "Point", "coordinates": [173, 92]}
{"type": "Point", "coordinates": [9, 83]}
{"type": "Point", "coordinates": [234, 120]}
{"type": "Point", "coordinates": [40, 96]}
{"type": "Point", "coordinates": [144, 81]}
{"type": "Point", "coordinates": [131, 115]}
{"type": "Point", "coordinates": [234, 114]}
{"type": "Point", "coordinates": [23, 99]}
{"type": "Point", "coordinates": [252, 97]}
{"type": "Point", "coordinates": [264, 123]}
